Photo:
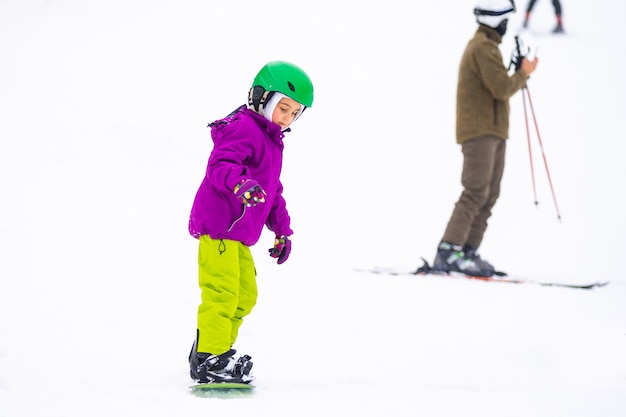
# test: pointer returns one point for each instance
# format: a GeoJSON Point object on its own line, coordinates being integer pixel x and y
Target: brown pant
{"type": "Point", "coordinates": [483, 165]}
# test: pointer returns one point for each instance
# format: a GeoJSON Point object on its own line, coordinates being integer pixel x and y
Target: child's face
{"type": "Point", "coordinates": [285, 112]}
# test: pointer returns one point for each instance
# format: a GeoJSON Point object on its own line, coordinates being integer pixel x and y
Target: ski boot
{"type": "Point", "coordinates": [472, 253]}
{"type": "Point", "coordinates": [452, 258]}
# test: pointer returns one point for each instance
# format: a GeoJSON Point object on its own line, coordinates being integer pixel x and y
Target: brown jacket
{"type": "Point", "coordinates": [484, 88]}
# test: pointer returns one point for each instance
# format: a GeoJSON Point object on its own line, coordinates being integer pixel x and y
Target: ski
{"type": "Point", "coordinates": [426, 270]}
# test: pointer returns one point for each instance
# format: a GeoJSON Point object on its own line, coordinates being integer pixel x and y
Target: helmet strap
{"type": "Point", "coordinates": [257, 97]}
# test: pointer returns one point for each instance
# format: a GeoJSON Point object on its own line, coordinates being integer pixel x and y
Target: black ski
{"type": "Point", "coordinates": [426, 269]}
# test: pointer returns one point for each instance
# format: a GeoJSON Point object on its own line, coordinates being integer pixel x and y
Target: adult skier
{"type": "Point", "coordinates": [482, 127]}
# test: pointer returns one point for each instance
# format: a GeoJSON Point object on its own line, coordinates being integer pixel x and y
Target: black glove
{"type": "Point", "coordinates": [516, 55]}
{"type": "Point", "coordinates": [517, 61]}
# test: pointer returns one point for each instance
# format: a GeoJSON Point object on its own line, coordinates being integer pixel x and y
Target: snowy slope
{"type": "Point", "coordinates": [103, 142]}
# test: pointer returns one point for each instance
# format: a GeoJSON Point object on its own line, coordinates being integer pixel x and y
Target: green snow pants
{"type": "Point", "coordinates": [227, 278]}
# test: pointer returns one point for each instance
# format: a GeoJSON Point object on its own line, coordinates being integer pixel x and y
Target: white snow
{"type": "Point", "coordinates": [103, 142]}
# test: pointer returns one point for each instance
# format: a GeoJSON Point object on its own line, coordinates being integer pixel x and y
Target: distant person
{"type": "Point", "coordinates": [558, 12]}
{"type": "Point", "coordinates": [241, 193]}
{"type": "Point", "coordinates": [482, 127]}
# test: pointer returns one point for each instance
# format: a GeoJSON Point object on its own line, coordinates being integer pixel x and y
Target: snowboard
{"type": "Point", "coordinates": [221, 389]}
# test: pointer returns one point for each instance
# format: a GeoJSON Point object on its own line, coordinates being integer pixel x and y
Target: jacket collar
{"type": "Point", "coordinates": [491, 33]}
{"type": "Point", "coordinates": [272, 129]}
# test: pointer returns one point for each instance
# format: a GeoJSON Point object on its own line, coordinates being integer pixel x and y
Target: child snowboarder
{"type": "Point", "coordinates": [240, 193]}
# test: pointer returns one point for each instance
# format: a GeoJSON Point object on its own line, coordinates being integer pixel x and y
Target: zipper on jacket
{"type": "Point", "coordinates": [495, 112]}
{"type": "Point", "coordinates": [238, 218]}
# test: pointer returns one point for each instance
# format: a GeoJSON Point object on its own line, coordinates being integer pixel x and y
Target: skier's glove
{"type": "Point", "coordinates": [249, 192]}
{"type": "Point", "coordinates": [281, 249]}
{"type": "Point", "coordinates": [517, 62]}
{"type": "Point", "coordinates": [517, 56]}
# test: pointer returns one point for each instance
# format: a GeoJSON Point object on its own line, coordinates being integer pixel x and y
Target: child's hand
{"type": "Point", "coordinates": [281, 249]}
{"type": "Point", "coordinates": [250, 193]}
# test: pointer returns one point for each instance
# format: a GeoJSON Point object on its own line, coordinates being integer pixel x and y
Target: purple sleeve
{"type": "Point", "coordinates": [278, 220]}
{"type": "Point", "coordinates": [231, 149]}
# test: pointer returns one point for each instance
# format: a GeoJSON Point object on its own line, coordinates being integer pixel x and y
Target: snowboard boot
{"type": "Point", "coordinates": [452, 258]}
{"type": "Point", "coordinates": [206, 367]}
{"type": "Point", "coordinates": [472, 253]}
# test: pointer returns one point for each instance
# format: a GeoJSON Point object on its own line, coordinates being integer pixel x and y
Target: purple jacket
{"type": "Point", "coordinates": [245, 145]}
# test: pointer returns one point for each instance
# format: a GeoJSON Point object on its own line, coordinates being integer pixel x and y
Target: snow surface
{"type": "Point", "coordinates": [103, 142]}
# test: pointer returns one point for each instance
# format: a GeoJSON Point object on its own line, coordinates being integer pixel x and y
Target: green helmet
{"type": "Point", "coordinates": [284, 77]}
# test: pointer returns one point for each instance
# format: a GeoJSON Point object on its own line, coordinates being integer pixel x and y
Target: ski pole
{"type": "Point", "coordinates": [526, 92]}
{"type": "Point", "coordinates": [543, 154]}
{"type": "Point", "coordinates": [530, 152]}
{"type": "Point", "coordinates": [516, 60]}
